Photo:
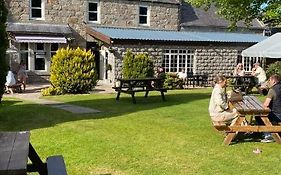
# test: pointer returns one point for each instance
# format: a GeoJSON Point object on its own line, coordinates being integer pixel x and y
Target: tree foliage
{"type": "Point", "coordinates": [3, 47]}
{"type": "Point", "coordinates": [244, 10]}
{"type": "Point", "coordinates": [137, 65]}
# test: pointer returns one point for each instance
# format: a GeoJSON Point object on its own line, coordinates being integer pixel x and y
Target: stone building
{"type": "Point", "coordinates": [171, 31]}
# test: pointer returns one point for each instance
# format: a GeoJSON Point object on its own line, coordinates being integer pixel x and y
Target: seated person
{"type": "Point", "coordinates": [182, 76]}
{"type": "Point", "coordinates": [218, 106]}
{"type": "Point", "coordinates": [273, 102]}
{"type": "Point", "coordinates": [260, 74]}
{"type": "Point", "coordinates": [11, 81]}
{"type": "Point", "coordinates": [239, 70]}
{"type": "Point", "coordinates": [10, 78]}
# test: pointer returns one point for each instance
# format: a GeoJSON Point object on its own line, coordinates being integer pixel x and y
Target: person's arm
{"type": "Point", "coordinates": [269, 96]}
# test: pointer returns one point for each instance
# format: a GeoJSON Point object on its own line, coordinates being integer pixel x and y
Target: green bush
{"type": "Point", "coordinates": [172, 81]}
{"type": "Point", "coordinates": [3, 47]}
{"type": "Point", "coordinates": [274, 68]}
{"type": "Point", "coordinates": [72, 72]}
{"type": "Point", "coordinates": [137, 65]}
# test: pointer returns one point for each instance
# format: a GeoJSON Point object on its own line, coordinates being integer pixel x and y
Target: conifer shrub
{"type": "Point", "coordinates": [3, 47]}
{"type": "Point", "coordinates": [72, 71]}
{"type": "Point", "coordinates": [274, 68]}
{"type": "Point", "coordinates": [137, 65]}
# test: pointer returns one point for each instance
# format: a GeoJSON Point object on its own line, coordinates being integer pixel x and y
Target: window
{"type": "Point", "coordinates": [174, 60]}
{"type": "Point", "coordinates": [39, 57]}
{"type": "Point", "coordinates": [143, 15]}
{"type": "Point", "coordinates": [54, 48]}
{"type": "Point", "coordinates": [36, 9]}
{"type": "Point", "coordinates": [93, 11]}
{"type": "Point", "coordinates": [24, 54]}
{"type": "Point", "coordinates": [249, 61]}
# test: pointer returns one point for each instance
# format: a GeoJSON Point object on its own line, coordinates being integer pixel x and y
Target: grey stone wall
{"type": "Point", "coordinates": [211, 60]}
{"type": "Point", "coordinates": [122, 13]}
{"type": "Point", "coordinates": [125, 14]}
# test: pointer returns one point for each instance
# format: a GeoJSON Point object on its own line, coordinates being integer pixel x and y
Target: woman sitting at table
{"type": "Point", "coordinates": [239, 70]}
{"type": "Point", "coordinates": [218, 107]}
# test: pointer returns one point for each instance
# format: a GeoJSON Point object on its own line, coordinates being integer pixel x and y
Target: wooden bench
{"type": "Point", "coordinates": [131, 86]}
{"type": "Point", "coordinates": [56, 165]}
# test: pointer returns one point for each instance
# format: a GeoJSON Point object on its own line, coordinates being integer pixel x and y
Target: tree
{"type": "Point", "coordinates": [244, 10]}
{"type": "Point", "coordinates": [3, 47]}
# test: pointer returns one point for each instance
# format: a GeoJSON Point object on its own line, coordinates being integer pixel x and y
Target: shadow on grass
{"type": "Point", "coordinates": [15, 115]}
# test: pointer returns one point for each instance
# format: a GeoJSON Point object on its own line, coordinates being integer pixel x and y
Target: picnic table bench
{"type": "Point", "coordinates": [16, 149]}
{"type": "Point", "coordinates": [131, 86]}
{"type": "Point", "coordinates": [250, 105]}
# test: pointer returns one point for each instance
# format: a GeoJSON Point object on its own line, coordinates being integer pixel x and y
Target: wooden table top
{"type": "Point", "coordinates": [250, 105]}
{"type": "Point", "coordinates": [14, 148]}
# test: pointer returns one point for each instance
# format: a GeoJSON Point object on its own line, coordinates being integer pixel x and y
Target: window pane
{"type": "Point", "coordinates": [24, 57]}
{"type": "Point", "coordinates": [143, 20]}
{"type": "Point", "coordinates": [54, 47]}
{"type": "Point", "coordinates": [40, 46]}
{"type": "Point", "coordinates": [143, 10]}
{"type": "Point", "coordinates": [93, 16]}
{"type": "Point", "coordinates": [39, 63]}
{"type": "Point", "coordinates": [23, 46]}
{"type": "Point", "coordinates": [36, 13]}
{"type": "Point", "coordinates": [93, 7]}
{"type": "Point", "coordinates": [36, 3]}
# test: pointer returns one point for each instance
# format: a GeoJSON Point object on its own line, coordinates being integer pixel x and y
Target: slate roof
{"type": "Point", "coordinates": [38, 28]}
{"type": "Point", "coordinates": [109, 34]}
{"type": "Point", "coordinates": [192, 16]}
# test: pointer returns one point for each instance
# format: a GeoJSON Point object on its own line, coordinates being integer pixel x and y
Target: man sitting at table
{"type": "Point", "coordinates": [218, 106]}
{"type": "Point", "coordinates": [260, 74]}
{"type": "Point", "coordinates": [273, 102]}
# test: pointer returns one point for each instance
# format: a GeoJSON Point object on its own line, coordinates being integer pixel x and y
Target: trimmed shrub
{"type": "Point", "coordinates": [274, 68]}
{"type": "Point", "coordinates": [137, 65]}
{"type": "Point", "coordinates": [72, 72]}
{"type": "Point", "coordinates": [3, 47]}
{"type": "Point", "coordinates": [172, 81]}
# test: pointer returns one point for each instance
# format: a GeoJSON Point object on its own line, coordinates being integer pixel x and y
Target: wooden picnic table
{"type": "Point", "coordinates": [244, 83]}
{"type": "Point", "coordinates": [250, 105]}
{"type": "Point", "coordinates": [15, 149]}
{"type": "Point", "coordinates": [131, 86]}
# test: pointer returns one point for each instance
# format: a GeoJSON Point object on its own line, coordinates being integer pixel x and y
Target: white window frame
{"type": "Point", "coordinates": [249, 61]}
{"type": "Point", "coordinates": [141, 15]}
{"type": "Point", "coordinates": [97, 12]}
{"type": "Point", "coordinates": [173, 56]}
{"type": "Point", "coordinates": [42, 8]}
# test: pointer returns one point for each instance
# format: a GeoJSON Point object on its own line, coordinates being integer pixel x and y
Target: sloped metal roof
{"type": "Point", "coordinates": [181, 36]}
{"type": "Point", "coordinates": [38, 28]}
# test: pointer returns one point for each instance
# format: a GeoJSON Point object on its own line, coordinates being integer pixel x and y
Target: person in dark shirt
{"type": "Point", "coordinates": [273, 102]}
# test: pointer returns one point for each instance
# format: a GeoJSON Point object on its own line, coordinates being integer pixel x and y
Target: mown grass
{"type": "Point", "coordinates": [148, 138]}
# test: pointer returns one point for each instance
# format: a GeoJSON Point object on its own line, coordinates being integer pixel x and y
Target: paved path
{"type": "Point", "coordinates": [33, 94]}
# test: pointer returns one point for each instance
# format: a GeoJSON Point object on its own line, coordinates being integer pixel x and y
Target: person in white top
{"type": "Point", "coordinates": [218, 106]}
{"type": "Point", "coordinates": [259, 73]}
{"type": "Point", "coordinates": [182, 74]}
{"type": "Point", "coordinates": [10, 78]}
{"type": "Point", "coordinates": [239, 70]}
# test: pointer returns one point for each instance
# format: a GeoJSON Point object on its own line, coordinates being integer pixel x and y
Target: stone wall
{"type": "Point", "coordinates": [211, 60]}
{"type": "Point", "coordinates": [125, 14]}
{"type": "Point", "coordinates": [122, 13]}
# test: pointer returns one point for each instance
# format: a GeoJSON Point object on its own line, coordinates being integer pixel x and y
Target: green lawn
{"type": "Point", "coordinates": [148, 138]}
